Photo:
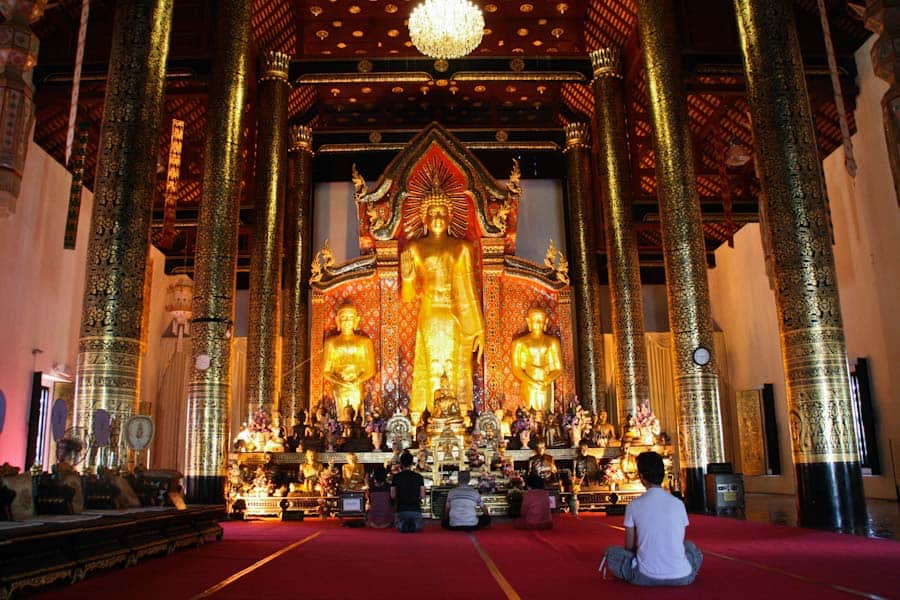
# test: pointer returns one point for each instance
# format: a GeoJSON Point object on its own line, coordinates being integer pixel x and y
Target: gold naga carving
{"type": "Point", "coordinates": [322, 262]}
{"type": "Point", "coordinates": [514, 192]}
{"type": "Point", "coordinates": [555, 261]}
{"type": "Point", "coordinates": [361, 196]}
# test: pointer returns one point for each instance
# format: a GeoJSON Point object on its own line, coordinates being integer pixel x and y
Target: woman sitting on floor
{"type": "Point", "coordinates": [535, 513]}
{"type": "Point", "coordinates": [380, 513]}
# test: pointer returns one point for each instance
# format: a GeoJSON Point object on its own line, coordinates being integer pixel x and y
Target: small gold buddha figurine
{"type": "Point", "coordinates": [604, 431]}
{"type": "Point", "coordinates": [536, 362]}
{"type": "Point", "coordinates": [445, 404]}
{"type": "Point", "coordinates": [349, 360]}
{"type": "Point", "coordinates": [310, 470]}
{"type": "Point", "coordinates": [353, 474]}
{"type": "Point", "coordinates": [438, 271]}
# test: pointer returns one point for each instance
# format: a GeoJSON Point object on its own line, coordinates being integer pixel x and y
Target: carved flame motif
{"type": "Point", "coordinates": [435, 178]}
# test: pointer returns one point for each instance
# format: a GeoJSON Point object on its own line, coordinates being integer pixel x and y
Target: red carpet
{"type": "Point", "coordinates": [741, 560]}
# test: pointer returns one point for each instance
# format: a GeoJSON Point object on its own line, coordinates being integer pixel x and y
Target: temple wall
{"type": "Point", "coordinates": [866, 220]}
{"type": "Point", "coordinates": [867, 243]}
{"type": "Point", "coordinates": [41, 289]}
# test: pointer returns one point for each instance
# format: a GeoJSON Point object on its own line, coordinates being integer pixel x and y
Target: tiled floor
{"type": "Point", "coordinates": [884, 515]}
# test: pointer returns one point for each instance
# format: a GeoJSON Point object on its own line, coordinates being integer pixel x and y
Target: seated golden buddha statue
{"type": "Point", "coordinates": [348, 360]}
{"type": "Point", "coordinates": [445, 403]}
{"type": "Point", "coordinates": [353, 474]}
{"type": "Point", "coordinates": [536, 363]}
{"type": "Point", "coordinates": [310, 470]}
{"type": "Point", "coordinates": [438, 270]}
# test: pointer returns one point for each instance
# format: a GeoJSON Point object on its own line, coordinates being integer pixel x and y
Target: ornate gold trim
{"type": "Point", "coordinates": [274, 66]}
{"type": "Point", "coordinates": [578, 135]}
{"type": "Point", "coordinates": [607, 62]}
{"type": "Point", "coordinates": [395, 77]}
{"type": "Point", "coordinates": [556, 76]}
{"type": "Point", "coordinates": [300, 139]}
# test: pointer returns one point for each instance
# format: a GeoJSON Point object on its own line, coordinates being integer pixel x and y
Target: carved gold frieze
{"type": "Point", "coordinates": [750, 432]}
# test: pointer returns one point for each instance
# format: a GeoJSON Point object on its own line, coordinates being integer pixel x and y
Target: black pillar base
{"type": "Point", "coordinates": [204, 490]}
{"type": "Point", "coordinates": [694, 489]}
{"type": "Point", "coordinates": [830, 496]}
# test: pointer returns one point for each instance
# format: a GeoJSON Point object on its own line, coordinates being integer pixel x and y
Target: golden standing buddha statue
{"type": "Point", "coordinates": [536, 363]}
{"type": "Point", "coordinates": [450, 327]}
{"type": "Point", "coordinates": [349, 360]}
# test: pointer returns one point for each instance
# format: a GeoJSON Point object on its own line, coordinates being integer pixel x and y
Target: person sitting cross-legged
{"type": "Point", "coordinates": [460, 508]}
{"type": "Point", "coordinates": [655, 551]}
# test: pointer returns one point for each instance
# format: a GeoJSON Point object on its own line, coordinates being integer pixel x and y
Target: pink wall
{"type": "Point", "coordinates": [41, 288]}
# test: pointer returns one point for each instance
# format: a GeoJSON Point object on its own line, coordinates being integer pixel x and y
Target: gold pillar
{"type": "Point", "coordinates": [297, 251]}
{"type": "Point", "coordinates": [265, 260]}
{"type": "Point", "coordinates": [110, 346]}
{"type": "Point", "coordinates": [684, 252]}
{"type": "Point", "coordinates": [823, 439]}
{"type": "Point", "coordinates": [623, 265]}
{"type": "Point", "coordinates": [581, 227]}
{"type": "Point", "coordinates": [209, 390]}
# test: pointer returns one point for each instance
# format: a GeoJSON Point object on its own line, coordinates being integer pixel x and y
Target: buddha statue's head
{"type": "Point", "coordinates": [437, 209]}
{"type": "Point", "coordinates": [347, 318]}
{"type": "Point", "coordinates": [352, 459]}
{"type": "Point", "coordinates": [537, 320]}
{"type": "Point", "coordinates": [311, 457]}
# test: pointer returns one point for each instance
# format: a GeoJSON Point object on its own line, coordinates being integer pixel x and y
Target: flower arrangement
{"type": "Point", "coordinates": [328, 480]}
{"type": "Point", "coordinates": [260, 422]}
{"type": "Point", "coordinates": [645, 422]}
{"type": "Point", "coordinates": [521, 423]}
{"type": "Point", "coordinates": [612, 474]}
{"type": "Point", "coordinates": [474, 457]}
{"type": "Point", "coordinates": [487, 483]}
{"type": "Point", "coordinates": [376, 424]}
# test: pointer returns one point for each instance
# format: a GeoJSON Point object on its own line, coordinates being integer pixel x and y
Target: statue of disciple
{"type": "Point", "coordinates": [353, 474]}
{"type": "Point", "coordinates": [349, 360]}
{"type": "Point", "coordinates": [450, 323]}
{"type": "Point", "coordinates": [604, 431]}
{"type": "Point", "coordinates": [536, 362]}
{"type": "Point", "coordinates": [310, 470]}
{"type": "Point", "coordinates": [542, 463]}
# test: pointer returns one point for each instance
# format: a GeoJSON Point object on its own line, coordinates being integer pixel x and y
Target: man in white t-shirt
{"type": "Point", "coordinates": [655, 551]}
{"type": "Point", "coordinates": [460, 511]}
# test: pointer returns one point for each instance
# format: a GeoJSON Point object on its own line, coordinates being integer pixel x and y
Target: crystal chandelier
{"type": "Point", "coordinates": [446, 28]}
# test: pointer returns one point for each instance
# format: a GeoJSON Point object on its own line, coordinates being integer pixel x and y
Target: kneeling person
{"type": "Point", "coordinates": [408, 489]}
{"type": "Point", "coordinates": [655, 551]}
{"type": "Point", "coordinates": [460, 509]}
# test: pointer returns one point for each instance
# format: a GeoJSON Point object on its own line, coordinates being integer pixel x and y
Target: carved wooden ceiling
{"type": "Point", "coordinates": [329, 38]}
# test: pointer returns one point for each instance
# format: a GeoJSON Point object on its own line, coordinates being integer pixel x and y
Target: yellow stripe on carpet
{"type": "Point", "coordinates": [508, 589]}
{"type": "Point", "coordinates": [225, 582]}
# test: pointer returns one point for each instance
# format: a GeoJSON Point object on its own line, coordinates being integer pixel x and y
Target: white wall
{"type": "Point", "coordinates": [41, 289]}
{"type": "Point", "coordinates": [867, 256]}
{"type": "Point", "coordinates": [867, 246]}
{"type": "Point", "coordinates": [743, 306]}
